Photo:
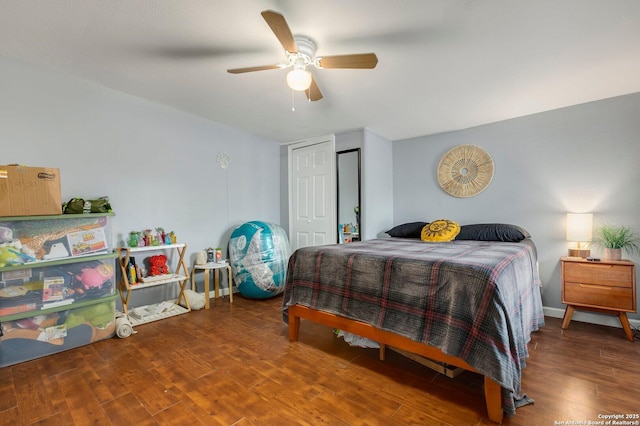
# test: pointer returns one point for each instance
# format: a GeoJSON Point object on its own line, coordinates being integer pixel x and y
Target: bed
{"type": "Point", "coordinates": [467, 303]}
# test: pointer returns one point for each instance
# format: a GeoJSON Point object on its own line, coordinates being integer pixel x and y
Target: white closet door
{"type": "Point", "coordinates": [312, 209]}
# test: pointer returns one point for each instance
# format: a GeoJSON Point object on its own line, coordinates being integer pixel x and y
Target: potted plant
{"type": "Point", "coordinates": [615, 239]}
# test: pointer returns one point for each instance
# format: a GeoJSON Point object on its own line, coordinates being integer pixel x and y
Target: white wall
{"type": "Point", "coordinates": [577, 159]}
{"type": "Point", "coordinates": [377, 185]}
{"type": "Point", "coordinates": [157, 165]}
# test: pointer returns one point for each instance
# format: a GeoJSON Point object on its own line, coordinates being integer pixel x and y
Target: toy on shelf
{"type": "Point", "coordinates": [160, 236]}
{"type": "Point", "coordinates": [134, 238]}
{"type": "Point", "coordinates": [158, 265]}
{"type": "Point", "coordinates": [147, 238]}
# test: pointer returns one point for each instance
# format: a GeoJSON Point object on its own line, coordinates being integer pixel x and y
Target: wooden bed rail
{"type": "Point", "coordinates": [492, 390]}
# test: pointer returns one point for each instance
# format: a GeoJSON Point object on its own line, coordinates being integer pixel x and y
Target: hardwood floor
{"type": "Point", "coordinates": [233, 365]}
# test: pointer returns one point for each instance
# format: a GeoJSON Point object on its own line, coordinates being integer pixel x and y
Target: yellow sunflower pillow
{"type": "Point", "coordinates": [440, 231]}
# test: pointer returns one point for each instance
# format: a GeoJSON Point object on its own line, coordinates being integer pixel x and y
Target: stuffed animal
{"type": "Point", "coordinates": [99, 315]}
{"type": "Point", "coordinates": [158, 264]}
{"type": "Point", "coordinates": [9, 255]}
{"type": "Point", "coordinates": [196, 300]}
{"type": "Point", "coordinates": [6, 234]}
{"type": "Point", "coordinates": [13, 253]}
{"type": "Point", "coordinates": [11, 250]}
{"type": "Point", "coordinates": [95, 277]}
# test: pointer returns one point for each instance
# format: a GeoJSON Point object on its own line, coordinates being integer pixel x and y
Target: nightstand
{"type": "Point", "coordinates": [607, 286]}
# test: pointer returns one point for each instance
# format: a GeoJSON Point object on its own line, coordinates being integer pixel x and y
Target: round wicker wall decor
{"type": "Point", "coordinates": [465, 171]}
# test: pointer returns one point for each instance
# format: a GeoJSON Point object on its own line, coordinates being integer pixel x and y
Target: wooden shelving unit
{"type": "Point", "coordinates": [164, 309]}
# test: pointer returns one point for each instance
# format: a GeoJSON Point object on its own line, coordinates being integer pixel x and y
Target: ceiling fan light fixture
{"type": "Point", "coordinates": [299, 79]}
{"type": "Point", "coordinates": [300, 51]}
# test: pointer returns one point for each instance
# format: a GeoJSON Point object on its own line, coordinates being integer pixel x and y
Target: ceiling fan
{"type": "Point", "coordinates": [300, 51]}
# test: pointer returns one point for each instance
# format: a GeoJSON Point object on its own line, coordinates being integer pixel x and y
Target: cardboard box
{"type": "Point", "coordinates": [29, 191]}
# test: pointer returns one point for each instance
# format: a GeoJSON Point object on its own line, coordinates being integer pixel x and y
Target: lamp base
{"type": "Point", "coordinates": [583, 253]}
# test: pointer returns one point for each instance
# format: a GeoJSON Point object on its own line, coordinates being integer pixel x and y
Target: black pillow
{"type": "Point", "coordinates": [407, 230]}
{"type": "Point", "coordinates": [493, 232]}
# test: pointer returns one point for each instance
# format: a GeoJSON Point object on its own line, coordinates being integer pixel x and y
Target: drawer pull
{"type": "Point", "coordinates": [594, 265]}
{"type": "Point", "coordinates": [595, 286]}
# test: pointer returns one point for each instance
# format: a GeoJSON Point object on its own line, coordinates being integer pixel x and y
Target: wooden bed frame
{"type": "Point", "coordinates": [492, 390]}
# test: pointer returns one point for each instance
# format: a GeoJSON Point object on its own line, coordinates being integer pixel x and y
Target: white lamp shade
{"type": "Point", "coordinates": [579, 226]}
{"type": "Point", "coordinates": [299, 79]}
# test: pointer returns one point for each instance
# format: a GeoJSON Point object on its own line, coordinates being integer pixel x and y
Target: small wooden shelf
{"type": "Point", "coordinates": [180, 276]}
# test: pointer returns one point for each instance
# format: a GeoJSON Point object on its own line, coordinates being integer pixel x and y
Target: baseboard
{"type": "Point", "coordinates": [590, 317]}
{"type": "Point", "coordinates": [223, 292]}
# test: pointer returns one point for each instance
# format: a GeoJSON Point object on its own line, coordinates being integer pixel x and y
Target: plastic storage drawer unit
{"type": "Point", "coordinates": [57, 284]}
{"type": "Point", "coordinates": [52, 331]}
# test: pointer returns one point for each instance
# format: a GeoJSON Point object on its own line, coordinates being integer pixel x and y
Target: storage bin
{"type": "Point", "coordinates": [55, 284]}
{"type": "Point", "coordinates": [32, 239]}
{"type": "Point", "coordinates": [56, 329]}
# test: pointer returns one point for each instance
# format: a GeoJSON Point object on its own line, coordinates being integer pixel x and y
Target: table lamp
{"type": "Point", "coordinates": [579, 226]}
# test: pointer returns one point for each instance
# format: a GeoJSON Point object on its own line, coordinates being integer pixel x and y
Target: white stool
{"type": "Point", "coordinates": [215, 267]}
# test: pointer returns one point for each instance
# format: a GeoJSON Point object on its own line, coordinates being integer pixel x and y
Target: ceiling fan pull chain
{"type": "Point", "coordinates": [293, 101]}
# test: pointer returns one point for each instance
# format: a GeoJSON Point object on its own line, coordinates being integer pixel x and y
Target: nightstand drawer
{"type": "Point", "coordinates": [598, 273]}
{"type": "Point", "coordinates": [598, 296]}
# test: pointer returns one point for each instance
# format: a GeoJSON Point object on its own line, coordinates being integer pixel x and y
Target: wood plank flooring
{"type": "Point", "coordinates": [233, 365]}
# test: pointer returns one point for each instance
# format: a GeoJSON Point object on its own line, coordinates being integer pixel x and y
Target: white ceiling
{"type": "Point", "coordinates": [443, 64]}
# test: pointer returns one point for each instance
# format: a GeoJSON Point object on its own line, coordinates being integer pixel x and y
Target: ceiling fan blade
{"type": "Point", "coordinates": [251, 69]}
{"type": "Point", "coordinates": [281, 29]}
{"type": "Point", "coordinates": [358, 60]}
{"type": "Point", "coordinates": [313, 93]}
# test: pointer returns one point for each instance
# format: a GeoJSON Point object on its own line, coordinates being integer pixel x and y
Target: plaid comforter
{"type": "Point", "coordinates": [476, 300]}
